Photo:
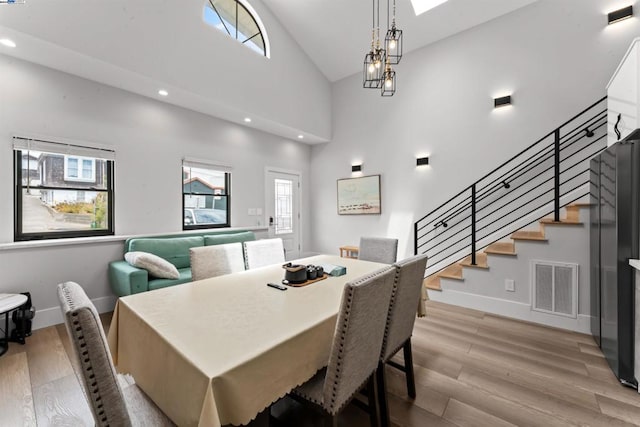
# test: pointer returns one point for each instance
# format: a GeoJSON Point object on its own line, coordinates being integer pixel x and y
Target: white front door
{"type": "Point", "coordinates": [283, 209]}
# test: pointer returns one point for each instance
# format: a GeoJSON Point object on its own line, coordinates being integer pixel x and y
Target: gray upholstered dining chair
{"type": "Point", "coordinates": [113, 399]}
{"type": "Point", "coordinates": [259, 253]}
{"type": "Point", "coordinates": [355, 350]}
{"type": "Point", "coordinates": [400, 321]}
{"type": "Point", "coordinates": [216, 260]}
{"type": "Point", "coordinates": [378, 249]}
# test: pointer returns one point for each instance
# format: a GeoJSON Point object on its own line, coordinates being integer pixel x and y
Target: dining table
{"type": "Point", "coordinates": [221, 350]}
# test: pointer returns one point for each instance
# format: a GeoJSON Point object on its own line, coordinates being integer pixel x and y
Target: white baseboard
{"type": "Point", "coordinates": [513, 309]}
{"type": "Point", "coordinates": [53, 316]}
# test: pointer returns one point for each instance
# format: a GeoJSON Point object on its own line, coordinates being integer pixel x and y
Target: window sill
{"type": "Point", "coordinates": [107, 239]}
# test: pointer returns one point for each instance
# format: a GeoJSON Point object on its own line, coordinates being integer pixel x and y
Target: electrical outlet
{"type": "Point", "coordinates": [252, 212]}
{"type": "Point", "coordinates": [509, 285]}
{"type": "Point", "coordinates": [258, 211]}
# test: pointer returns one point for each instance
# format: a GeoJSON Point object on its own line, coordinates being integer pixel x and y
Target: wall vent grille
{"type": "Point", "coordinates": [554, 288]}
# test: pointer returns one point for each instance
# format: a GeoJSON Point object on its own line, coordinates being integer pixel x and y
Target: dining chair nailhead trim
{"type": "Point", "coordinates": [85, 360]}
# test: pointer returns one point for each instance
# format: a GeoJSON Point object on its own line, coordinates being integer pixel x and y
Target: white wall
{"type": "Point", "coordinates": [150, 138]}
{"type": "Point", "coordinates": [554, 57]}
{"type": "Point", "coordinates": [144, 45]}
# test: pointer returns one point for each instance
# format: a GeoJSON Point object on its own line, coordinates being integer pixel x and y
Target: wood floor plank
{"type": "Point", "coordinates": [531, 357]}
{"type": "Point", "coordinates": [550, 386]}
{"type": "Point", "coordinates": [612, 389]}
{"type": "Point", "coordinates": [591, 349]}
{"type": "Point", "coordinates": [532, 329]}
{"type": "Point", "coordinates": [620, 410]}
{"type": "Point", "coordinates": [537, 400]}
{"type": "Point", "coordinates": [426, 398]}
{"type": "Point", "coordinates": [462, 324]}
{"type": "Point", "coordinates": [594, 358]}
{"type": "Point", "coordinates": [48, 359]}
{"type": "Point", "coordinates": [66, 343]}
{"type": "Point", "coordinates": [471, 368]}
{"type": "Point", "coordinates": [530, 353]}
{"type": "Point", "coordinates": [406, 414]}
{"type": "Point", "coordinates": [467, 416]}
{"type": "Point", "coordinates": [436, 361]}
{"type": "Point", "coordinates": [493, 404]}
{"type": "Point", "coordinates": [16, 403]}
{"type": "Point", "coordinates": [62, 403]}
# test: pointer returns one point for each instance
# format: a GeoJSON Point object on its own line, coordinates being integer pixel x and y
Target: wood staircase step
{"type": "Point", "coordinates": [501, 248]}
{"type": "Point", "coordinates": [432, 283]}
{"type": "Point", "coordinates": [565, 221]}
{"type": "Point", "coordinates": [573, 211]}
{"type": "Point", "coordinates": [454, 271]}
{"type": "Point", "coordinates": [529, 235]}
{"type": "Point", "coordinates": [481, 261]}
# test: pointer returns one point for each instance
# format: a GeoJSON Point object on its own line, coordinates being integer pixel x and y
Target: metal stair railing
{"type": "Point", "coordinates": [538, 181]}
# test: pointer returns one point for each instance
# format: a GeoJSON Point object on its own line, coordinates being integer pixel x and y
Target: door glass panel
{"type": "Point", "coordinates": [284, 206]}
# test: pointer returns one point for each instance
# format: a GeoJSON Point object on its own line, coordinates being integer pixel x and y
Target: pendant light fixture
{"type": "Point", "coordinates": [393, 39]}
{"type": "Point", "coordinates": [378, 73]}
{"type": "Point", "coordinates": [374, 61]}
{"type": "Point", "coordinates": [389, 80]}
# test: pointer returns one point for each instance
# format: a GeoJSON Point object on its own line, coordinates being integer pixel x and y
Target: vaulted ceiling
{"type": "Point", "coordinates": [336, 34]}
{"type": "Point", "coordinates": [144, 45]}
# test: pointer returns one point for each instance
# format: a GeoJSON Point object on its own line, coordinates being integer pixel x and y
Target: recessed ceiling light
{"type": "Point", "coordinates": [163, 92]}
{"type": "Point", "coordinates": [421, 6]}
{"type": "Point", "coordinates": [7, 42]}
{"type": "Point", "coordinates": [247, 119]}
{"type": "Point", "coordinates": [300, 136]}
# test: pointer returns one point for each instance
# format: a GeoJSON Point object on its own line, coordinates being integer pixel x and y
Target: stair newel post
{"type": "Point", "coordinates": [415, 238]}
{"type": "Point", "coordinates": [473, 224]}
{"type": "Point", "coordinates": [556, 177]}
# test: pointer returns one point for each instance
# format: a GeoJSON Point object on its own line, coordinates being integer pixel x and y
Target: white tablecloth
{"type": "Point", "coordinates": [220, 350]}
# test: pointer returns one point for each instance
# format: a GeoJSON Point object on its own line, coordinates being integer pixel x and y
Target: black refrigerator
{"type": "Point", "coordinates": [615, 234]}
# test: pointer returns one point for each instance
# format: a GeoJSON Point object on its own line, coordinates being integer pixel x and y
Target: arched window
{"type": "Point", "coordinates": [238, 19]}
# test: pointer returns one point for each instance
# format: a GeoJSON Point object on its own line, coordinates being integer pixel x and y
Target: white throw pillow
{"type": "Point", "coordinates": [156, 266]}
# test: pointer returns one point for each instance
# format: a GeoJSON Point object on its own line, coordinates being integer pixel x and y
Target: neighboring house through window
{"type": "Point", "coordinates": [62, 190]}
{"type": "Point", "coordinates": [238, 20]}
{"type": "Point", "coordinates": [205, 195]}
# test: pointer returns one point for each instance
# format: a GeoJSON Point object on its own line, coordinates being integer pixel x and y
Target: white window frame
{"type": "Point", "coordinates": [80, 177]}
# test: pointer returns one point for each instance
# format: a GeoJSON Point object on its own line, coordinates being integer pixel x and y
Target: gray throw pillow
{"type": "Point", "coordinates": [156, 266]}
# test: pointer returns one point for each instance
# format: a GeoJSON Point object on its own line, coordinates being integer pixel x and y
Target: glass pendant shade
{"type": "Point", "coordinates": [388, 87]}
{"type": "Point", "coordinates": [393, 45]}
{"type": "Point", "coordinates": [373, 69]}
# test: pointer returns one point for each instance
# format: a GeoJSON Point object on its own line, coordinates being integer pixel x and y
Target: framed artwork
{"type": "Point", "coordinates": [359, 196]}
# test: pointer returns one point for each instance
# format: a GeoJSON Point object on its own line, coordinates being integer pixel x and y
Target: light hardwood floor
{"type": "Point", "coordinates": [472, 369]}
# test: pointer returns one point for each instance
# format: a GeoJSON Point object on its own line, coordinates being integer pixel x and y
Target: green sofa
{"type": "Point", "coordinates": [126, 279]}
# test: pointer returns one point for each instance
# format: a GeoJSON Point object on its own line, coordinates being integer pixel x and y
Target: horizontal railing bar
{"type": "Point", "coordinates": [519, 218]}
{"type": "Point", "coordinates": [498, 183]}
{"type": "Point", "coordinates": [446, 215]}
{"type": "Point", "coordinates": [512, 200]}
{"type": "Point", "coordinates": [518, 155]}
{"type": "Point", "coordinates": [438, 218]}
{"type": "Point", "coordinates": [451, 245]}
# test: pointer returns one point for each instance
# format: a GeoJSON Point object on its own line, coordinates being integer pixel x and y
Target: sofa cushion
{"type": "Point", "coordinates": [221, 239]}
{"type": "Point", "coordinates": [156, 266]}
{"type": "Point", "coordinates": [185, 277]}
{"type": "Point", "coordinates": [175, 250]}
